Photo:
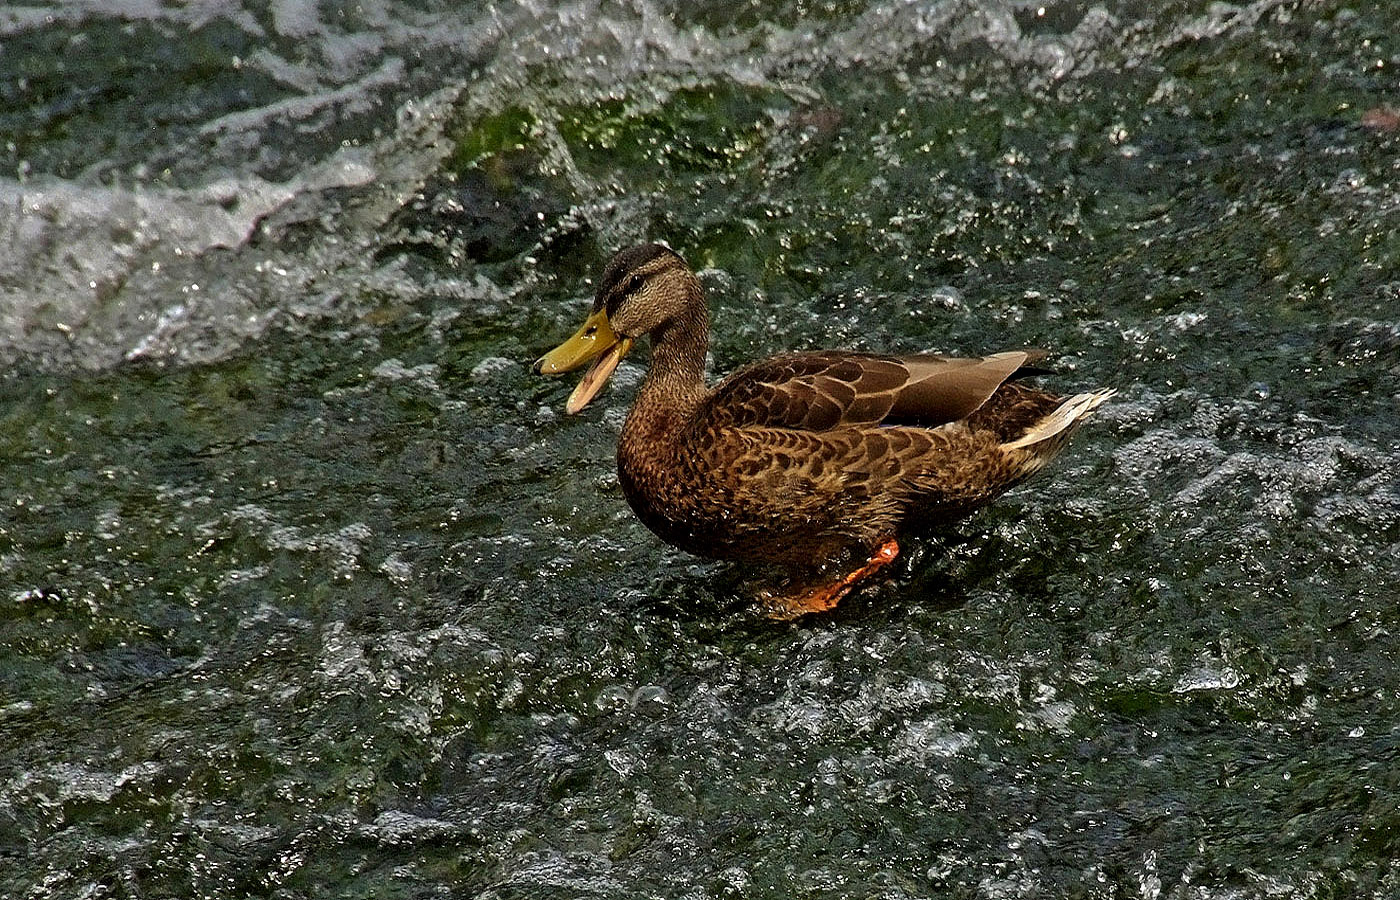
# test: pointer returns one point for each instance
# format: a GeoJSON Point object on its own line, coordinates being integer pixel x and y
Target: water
{"type": "Point", "coordinates": [311, 589]}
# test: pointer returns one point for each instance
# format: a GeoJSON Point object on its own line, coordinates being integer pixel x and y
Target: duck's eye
{"type": "Point", "coordinates": [633, 284]}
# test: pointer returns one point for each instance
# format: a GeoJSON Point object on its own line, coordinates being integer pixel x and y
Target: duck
{"type": "Point", "coordinates": [818, 462]}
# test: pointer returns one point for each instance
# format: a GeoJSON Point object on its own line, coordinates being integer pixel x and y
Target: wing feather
{"type": "Point", "coordinates": [823, 391]}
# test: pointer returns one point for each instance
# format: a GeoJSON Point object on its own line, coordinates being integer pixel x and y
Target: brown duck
{"type": "Point", "coordinates": [807, 460]}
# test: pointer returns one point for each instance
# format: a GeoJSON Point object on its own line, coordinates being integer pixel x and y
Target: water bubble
{"type": "Point", "coordinates": [651, 698]}
{"type": "Point", "coordinates": [735, 882]}
{"type": "Point", "coordinates": [946, 297]}
{"type": "Point", "coordinates": [612, 698]}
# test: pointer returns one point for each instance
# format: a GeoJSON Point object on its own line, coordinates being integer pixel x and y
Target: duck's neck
{"type": "Point", "coordinates": [675, 380]}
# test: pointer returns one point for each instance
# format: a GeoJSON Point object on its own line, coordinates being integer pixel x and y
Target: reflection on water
{"type": "Point", "coordinates": [309, 587]}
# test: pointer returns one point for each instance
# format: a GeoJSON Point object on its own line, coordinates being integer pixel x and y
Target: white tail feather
{"type": "Point", "coordinates": [1064, 419]}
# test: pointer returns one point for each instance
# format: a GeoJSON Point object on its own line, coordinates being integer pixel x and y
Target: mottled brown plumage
{"type": "Point", "coordinates": [804, 459]}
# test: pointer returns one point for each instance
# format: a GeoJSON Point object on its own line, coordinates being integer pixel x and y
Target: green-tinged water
{"type": "Point", "coordinates": [308, 587]}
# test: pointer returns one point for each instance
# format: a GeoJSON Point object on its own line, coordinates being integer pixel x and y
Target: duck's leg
{"type": "Point", "coordinates": [825, 596]}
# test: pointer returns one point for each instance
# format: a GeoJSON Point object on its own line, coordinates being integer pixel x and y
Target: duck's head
{"type": "Point", "coordinates": [643, 289]}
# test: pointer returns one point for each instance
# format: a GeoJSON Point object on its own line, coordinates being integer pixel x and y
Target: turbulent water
{"type": "Point", "coordinates": [309, 588]}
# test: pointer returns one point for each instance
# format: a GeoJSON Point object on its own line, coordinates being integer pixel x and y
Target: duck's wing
{"type": "Point", "coordinates": [822, 391]}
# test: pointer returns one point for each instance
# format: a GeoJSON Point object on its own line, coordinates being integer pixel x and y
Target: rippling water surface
{"type": "Point", "coordinates": [310, 589]}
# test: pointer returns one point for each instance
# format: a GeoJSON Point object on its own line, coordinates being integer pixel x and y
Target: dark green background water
{"type": "Point", "coordinates": [310, 589]}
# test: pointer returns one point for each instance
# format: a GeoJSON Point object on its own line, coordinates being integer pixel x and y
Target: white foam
{"type": "Point", "coordinates": [101, 273]}
{"type": "Point", "coordinates": [98, 273]}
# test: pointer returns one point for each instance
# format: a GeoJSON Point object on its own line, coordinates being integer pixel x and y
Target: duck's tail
{"type": "Point", "coordinates": [1044, 439]}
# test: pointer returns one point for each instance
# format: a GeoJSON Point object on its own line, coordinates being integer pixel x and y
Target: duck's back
{"type": "Point", "coordinates": [825, 390]}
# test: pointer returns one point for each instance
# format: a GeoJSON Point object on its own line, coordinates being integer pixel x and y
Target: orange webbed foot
{"type": "Point", "coordinates": [824, 597]}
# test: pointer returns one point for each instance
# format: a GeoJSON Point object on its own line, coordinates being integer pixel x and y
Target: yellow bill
{"type": "Point", "coordinates": [594, 341]}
